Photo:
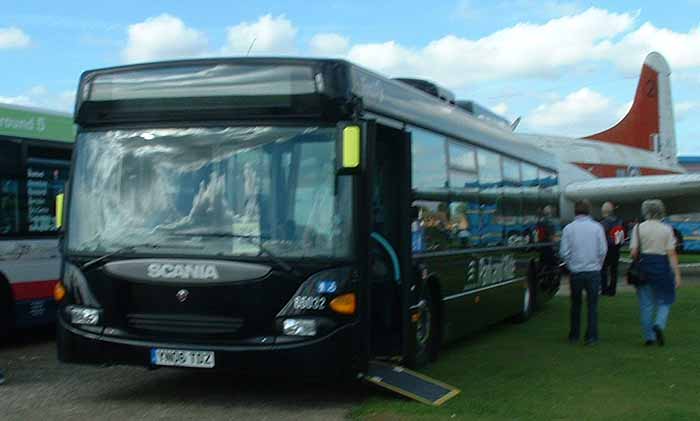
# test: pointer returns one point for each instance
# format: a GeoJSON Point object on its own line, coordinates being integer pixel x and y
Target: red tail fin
{"type": "Point", "coordinates": [649, 123]}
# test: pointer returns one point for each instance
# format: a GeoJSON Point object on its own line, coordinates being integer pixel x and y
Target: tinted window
{"type": "Point", "coordinates": [490, 195]}
{"type": "Point", "coordinates": [463, 182]}
{"type": "Point", "coordinates": [429, 161]}
{"type": "Point", "coordinates": [10, 162]}
{"type": "Point", "coordinates": [489, 168]}
{"type": "Point", "coordinates": [462, 157]}
{"type": "Point", "coordinates": [511, 171]}
{"type": "Point", "coordinates": [431, 232]}
{"type": "Point", "coordinates": [45, 180]}
{"type": "Point", "coordinates": [9, 206]}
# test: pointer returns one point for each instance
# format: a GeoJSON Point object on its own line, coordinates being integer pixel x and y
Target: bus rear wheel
{"type": "Point", "coordinates": [528, 303]}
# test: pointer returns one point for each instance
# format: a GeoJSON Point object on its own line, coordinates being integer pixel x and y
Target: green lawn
{"type": "Point", "coordinates": [529, 371]}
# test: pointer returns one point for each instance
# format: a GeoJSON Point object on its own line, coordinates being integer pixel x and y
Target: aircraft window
{"type": "Point", "coordinates": [429, 161]}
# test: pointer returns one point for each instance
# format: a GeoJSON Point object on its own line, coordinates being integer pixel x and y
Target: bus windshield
{"type": "Point", "coordinates": [222, 191]}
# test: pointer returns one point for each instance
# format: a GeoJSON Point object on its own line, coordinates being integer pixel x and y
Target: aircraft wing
{"type": "Point", "coordinates": [680, 193]}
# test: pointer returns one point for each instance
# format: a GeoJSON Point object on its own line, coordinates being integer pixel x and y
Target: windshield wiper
{"type": "Point", "coordinates": [126, 249]}
{"type": "Point", "coordinates": [251, 240]}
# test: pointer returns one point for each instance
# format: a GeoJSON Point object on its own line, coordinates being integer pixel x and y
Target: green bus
{"type": "Point", "coordinates": [303, 215]}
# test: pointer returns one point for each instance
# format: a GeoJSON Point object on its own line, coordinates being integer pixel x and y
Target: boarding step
{"type": "Point", "coordinates": [409, 383]}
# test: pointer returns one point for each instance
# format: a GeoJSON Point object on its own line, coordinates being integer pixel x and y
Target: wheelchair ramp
{"type": "Point", "coordinates": [409, 383]}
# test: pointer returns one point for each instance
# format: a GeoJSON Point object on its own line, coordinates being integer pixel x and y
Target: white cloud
{"type": "Point", "coordinates": [500, 108]}
{"type": "Point", "coordinates": [580, 113]}
{"type": "Point", "coordinates": [16, 100]}
{"type": "Point", "coordinates": [269, 35]}
{"type": "Point", "coordinates": [682, 50]}
{"type": "Point", "coordinates": [329, 44]}
{"type": "Point", "coordinates": [683, 108]}
{"type": "Point", "coordinates": [40, 96]}
{"type": "Point", "coordinates": [13, 37]}
{"type": "Point", "coordinates": [163, 37]}
{"type": "Point", "coordinates": [522, 50]}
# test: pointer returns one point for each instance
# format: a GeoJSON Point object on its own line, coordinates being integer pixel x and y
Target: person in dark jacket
{"type": "Point", "coordinates": [654, 244]}
{"type": "Point", "coordinates": [615, 234]}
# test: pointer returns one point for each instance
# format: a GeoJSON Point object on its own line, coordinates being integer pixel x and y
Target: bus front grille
{"type": "Point", "coordinates": [190, 325]}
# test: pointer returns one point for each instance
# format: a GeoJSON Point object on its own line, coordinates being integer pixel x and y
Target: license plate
{"type": "Point", "coordinates": [182, 358]}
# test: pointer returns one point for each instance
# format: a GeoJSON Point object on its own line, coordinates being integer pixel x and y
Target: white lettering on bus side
{"type": "Point", "coordinates": [491, 271]}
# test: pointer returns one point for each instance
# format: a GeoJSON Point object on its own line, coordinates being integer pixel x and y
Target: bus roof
{"type": "Point", "coordinates": [35, 123]}
{"type": "Point", "coordinates": [342, 82]}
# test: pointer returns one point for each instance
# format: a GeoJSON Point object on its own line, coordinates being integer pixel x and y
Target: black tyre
{"type": "Point", "coordinates": [65, 345]}
{"type": "Point", "coordinates": [7, 310]}
{"type": "Point", "coordinates": [425, 330]}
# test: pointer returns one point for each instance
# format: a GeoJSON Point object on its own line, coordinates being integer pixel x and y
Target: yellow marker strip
{"type": "Point", "coordinates": [351, 147]}
{"type": "Point", "coordinates": [59, 210]}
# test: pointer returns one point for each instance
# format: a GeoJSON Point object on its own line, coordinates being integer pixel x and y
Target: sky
{"type": "Point", "coordinates": [566, 67]}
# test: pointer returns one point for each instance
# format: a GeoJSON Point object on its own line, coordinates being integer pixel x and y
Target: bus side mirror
{"type": "Point", "coordinates": [59, 210]}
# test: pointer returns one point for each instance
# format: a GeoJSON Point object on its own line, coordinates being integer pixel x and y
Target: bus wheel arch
{"type": "Point", "coordinates": [7, 306]}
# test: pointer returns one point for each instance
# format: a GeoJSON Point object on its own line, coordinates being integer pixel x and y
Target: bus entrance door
{"type": "Point", "coordinates": [389, 240]}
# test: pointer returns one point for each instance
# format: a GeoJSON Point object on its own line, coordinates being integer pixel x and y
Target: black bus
{"type": "Point", "coordinates": [292, 214]}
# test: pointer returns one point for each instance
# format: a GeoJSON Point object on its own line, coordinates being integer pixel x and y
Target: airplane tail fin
{"type": "Point", "coordinates": [649, 124]}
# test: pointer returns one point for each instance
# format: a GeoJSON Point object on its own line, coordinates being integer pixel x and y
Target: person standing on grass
{"type": "Point", "coordinates": [615, 234]}
{"type": "Point", "coordinates": [583, 248]}
{"type": "Point", "coordinates": [654, 243]}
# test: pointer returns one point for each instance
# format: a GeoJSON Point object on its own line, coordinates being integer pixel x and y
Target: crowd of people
{"type": "Point", "coordinates": [590, 251]}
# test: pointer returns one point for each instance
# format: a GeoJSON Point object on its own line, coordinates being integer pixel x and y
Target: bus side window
{"type": "Point", "coordinates": [9, 207]}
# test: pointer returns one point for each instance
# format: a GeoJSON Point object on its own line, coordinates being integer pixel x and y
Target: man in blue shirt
{"type": "Point", "coordinates": [583, 249]}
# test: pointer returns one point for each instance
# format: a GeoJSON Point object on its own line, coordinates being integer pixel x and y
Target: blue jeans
{"type": "Point", "coordinates": [589, 281]}
{"type": "Point", "coordinates": [647, 304]}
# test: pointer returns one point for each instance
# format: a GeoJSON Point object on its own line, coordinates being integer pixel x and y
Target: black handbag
{"type": "Point", "coordinates": [635, 275]}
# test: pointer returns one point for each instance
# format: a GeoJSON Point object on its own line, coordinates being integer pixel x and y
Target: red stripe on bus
{"type": "Point", "coordinates": [33, 290]}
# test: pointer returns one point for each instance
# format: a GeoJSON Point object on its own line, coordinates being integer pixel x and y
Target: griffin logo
{"type": "Point", "coordinates": [182, 295]}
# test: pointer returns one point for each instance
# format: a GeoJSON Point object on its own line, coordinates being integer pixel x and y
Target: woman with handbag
{"type": "Point", "coordinates": [654, 271]}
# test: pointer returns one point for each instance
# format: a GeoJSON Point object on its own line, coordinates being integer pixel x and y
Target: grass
{"type": "Point", "coordinates": [682, 258]}
{"type": "Point", "coordinates": [530, 372]}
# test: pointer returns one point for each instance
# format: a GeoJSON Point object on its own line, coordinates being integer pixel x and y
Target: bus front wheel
{"type": "Point", "coordinates": [65, 346]}
{"type": "Point", "coordinates": [424, 320]}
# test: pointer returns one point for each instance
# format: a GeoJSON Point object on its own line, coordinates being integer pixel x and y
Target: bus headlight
{"type": "Point", "coordinates": [83, 315]}
{"type": "Point", "coordinates": [299, 327]}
